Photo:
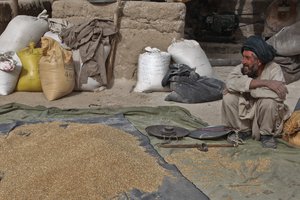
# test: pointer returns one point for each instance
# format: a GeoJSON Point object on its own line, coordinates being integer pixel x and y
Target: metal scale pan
{"type": "Point", "coordinates": [167, 131]}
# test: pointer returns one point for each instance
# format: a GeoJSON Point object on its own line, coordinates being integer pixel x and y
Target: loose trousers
{"type": "Point", "coordinates": [263, 116]}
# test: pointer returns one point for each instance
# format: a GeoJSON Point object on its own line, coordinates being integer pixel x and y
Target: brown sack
{"type": "Point", "coordinates": [291, 129]}
{"type": "Point", "coordinates": [56, 70]}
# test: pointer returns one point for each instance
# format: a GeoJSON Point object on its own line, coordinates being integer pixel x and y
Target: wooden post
{"type": "Point", "coordinates": [111, 58]}
{"type": "Point", "coordinates": [14, 7]}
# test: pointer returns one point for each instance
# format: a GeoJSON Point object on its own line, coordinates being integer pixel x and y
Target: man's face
{"type": "Point", "coordinates": [250, 64]}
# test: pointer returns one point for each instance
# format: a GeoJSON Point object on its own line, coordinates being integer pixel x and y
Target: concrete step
{"type": "Point", "coordinates": [221, 48]}
{"type": "Point", "coordinates": [224, 59]}
{"type": "Point", "coordinates": [222, 54]}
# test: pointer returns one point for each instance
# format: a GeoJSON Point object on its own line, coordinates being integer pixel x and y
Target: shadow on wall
{"type": "Point", "coordinates": [224, 21]}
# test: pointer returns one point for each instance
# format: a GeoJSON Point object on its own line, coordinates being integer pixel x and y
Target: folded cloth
{"type": "Point", "coordinates": [90, 38]}
{"type": "Point", "coordinates": [7, 63]}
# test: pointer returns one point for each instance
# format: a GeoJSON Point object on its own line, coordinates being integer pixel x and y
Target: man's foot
{"type": "Point", "coordinates": [238, 137]}
{"type": "Point", "coordinates": [268, 141]}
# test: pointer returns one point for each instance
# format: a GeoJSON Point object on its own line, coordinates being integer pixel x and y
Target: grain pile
{"type": "Point", "coordinates": [215, 168]}
{"type": "Point", "coordinates": [74, 161]}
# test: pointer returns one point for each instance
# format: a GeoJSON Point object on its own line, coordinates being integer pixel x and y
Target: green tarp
{"type": "Point", "coordinates": [245, 172]}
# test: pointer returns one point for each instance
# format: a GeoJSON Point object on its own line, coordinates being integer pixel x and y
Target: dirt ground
{"type": "Point", "coordinates": [121, 95]}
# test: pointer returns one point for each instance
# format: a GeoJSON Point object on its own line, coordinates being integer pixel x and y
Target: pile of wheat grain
{"type": "Point", "coordinates": [74, 161]}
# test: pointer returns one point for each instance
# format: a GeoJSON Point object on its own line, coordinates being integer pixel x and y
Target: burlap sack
{"type": "Point", "coordinates": [291, 129]}
{"type": "Point", "coordinates": [56, 70]}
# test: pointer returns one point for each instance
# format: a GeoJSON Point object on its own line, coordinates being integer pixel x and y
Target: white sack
{"type": "Point", "coordinates": [190, 53]}
{"type": "Point", "coordinates": [152, 67]}
{"type": "Point", "coordinates": [287, 41]}
{"type": "Point", "coordinates": [22, 30]}
{"type": "Point", "coordinates": [9, 79]}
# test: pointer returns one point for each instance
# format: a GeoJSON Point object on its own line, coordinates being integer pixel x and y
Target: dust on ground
{"type": "Point", "coordinates": [122, 95]}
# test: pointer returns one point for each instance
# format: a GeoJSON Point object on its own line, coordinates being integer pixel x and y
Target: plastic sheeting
{"type": "Point", "coordinates": [174, 187]}
{"type": "Point", "coordinates": [245, 172]}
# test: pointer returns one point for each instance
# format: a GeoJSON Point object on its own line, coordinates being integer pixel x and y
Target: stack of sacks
{"type": "Point", "coordinates": [50, 69]}
{"type": "Point", "coordinates": [18, 34]}
{"type": "Point", "coordinates": [23, 67]}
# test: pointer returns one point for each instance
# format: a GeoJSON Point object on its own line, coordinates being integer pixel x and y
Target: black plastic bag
{"type": "Point", "coordinates": [189, 87]}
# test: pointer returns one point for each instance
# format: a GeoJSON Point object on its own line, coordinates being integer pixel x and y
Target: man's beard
{"type": "Point", "coordinates": [252, 71]}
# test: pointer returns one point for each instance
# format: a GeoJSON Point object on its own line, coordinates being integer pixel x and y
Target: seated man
{"type": "Point", "coordinates": [253, 101]}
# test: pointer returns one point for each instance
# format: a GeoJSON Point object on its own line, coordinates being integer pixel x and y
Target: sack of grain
{"type": "Point", "coordinates": [190, 53]}
{"type": "Point", "coordinates": [56, 69]}
{"type": "Point", "coordinates": [9, 77]}
{"type": "Point", "coordinates": [291, 129]}
{"type": "Point", "coordinates": [29, 80]}
{"type": "Point", "coordinates": [152, 67]}
{"type": "Point", "coordinates": [22, 30]}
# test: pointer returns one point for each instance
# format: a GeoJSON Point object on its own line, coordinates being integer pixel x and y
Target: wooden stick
{"type": "Point", "coordinates": [111, 58]}
{"type": "Point", "coordinates": [195, 145]}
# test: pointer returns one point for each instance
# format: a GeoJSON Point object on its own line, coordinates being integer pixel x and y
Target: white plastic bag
{"type": "Point", "coordinates": [152, 67]}
{"type": "Point", "coordinates": [22, 30]}
{"type": "Point", "coordinates": [190, 53]}
{"type": "Point", "coordinates": [9, 79]}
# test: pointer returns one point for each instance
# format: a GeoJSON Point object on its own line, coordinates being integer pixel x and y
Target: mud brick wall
{"type": "Point", "coordinates": [142, 24]}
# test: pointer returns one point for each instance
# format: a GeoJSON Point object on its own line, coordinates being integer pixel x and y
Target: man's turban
{"type": "Point", "coordinates": [258, 45]}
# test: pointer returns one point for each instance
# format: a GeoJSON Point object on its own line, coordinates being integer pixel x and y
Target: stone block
{"type": "Point", "coordinates": [82, 8]}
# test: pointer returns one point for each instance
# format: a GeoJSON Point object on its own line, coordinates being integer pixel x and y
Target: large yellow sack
{"type": "Point", "coordinates": [29, 80]}
{"type": "Point", "coordinates": [291, 129]}
{"type": "Point", "coordinates": [56, 70]}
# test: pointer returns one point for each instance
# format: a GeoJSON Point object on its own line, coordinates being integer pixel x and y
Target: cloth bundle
{"type": "Point", "coordinates": [7, 63]}
{"type": "Point", "coordinates": [90, 38]}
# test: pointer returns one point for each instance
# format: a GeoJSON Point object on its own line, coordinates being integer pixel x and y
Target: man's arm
{"type": "Point", "coordinates": [277, 86]}
{"type": "Point", "coordinates": [237, 82]}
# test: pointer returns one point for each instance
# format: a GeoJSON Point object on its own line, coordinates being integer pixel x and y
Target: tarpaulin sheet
{"type": "Point", "coordinates": [244, 172]}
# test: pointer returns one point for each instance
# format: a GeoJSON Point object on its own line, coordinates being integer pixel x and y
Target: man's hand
{"type": "Point", "coordinates": [277, 86]}
{"type": "Point", "coordinates": [225, 90]}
